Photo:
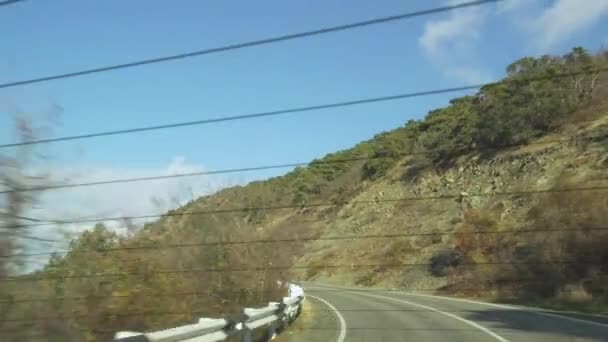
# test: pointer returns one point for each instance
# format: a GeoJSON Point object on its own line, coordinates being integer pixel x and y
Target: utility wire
{"type": "Point", "coordinates": [199, 312]}
{"type": "Point", "coordinates": [237, 46]}
{"type": "Point", "coordinates": [241, 117]}
{"type": "Point", "coordinates": [305, 240]}
{"type": "Point", "coordinates": [170, 294]}
{"type": "Point", "coordinates": [23, 279]}
{"type": "Point", "coordinates": [291, 110]}
{"type": "Point", "coordinates": [19, 234]}
{"type": "Point", "coordinates": [5, 213]}
{"type": "Point", "coordinates": [35, 238]}
{"type": "Point", "coordinates": [316, 205]}
{"type": "Point", "coordinates": [25, 218]}
{"type": "Point", "coordinates": [287, 165]}
{"type": "Point", "coordinates": [178, 175]}
{"type": "Point", "coordinates": [24, 236]}
{"type": "Point", "coordinates": [9, 2]}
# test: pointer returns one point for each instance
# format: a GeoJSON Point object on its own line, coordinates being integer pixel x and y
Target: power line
{"type": "Point", "coordinates": [24, 236]}
{"type": "Point", "coordinates": [281, 166]}
{"type": "Point", "coordinates": [23, 279]}
{"type": "Point", "coordinates": [19, 234]}
{"type": "Point", "coordinates": [179, 175]}
{"type": "Point", "coordinates": [305, 239]}
{"type": "Point", "coordinates": [201, 312]}
{"type": "Point", "coordinates": [290, 110]}
{"type": "Point", "coordinates": [9, 2]}
{"type": "Point", "coordinates": [314, 205]}
{"type": "Point", "coordinates": [26, 218]}
{"type": "Point", "coordinates": [35, 238]}
{"type": "Point", "coordinates": [188, 293]}
{"type": "Point", "coordinates": [206, 293]}
{"type": "Point", "coordinates": [241, 117]}
{"type": "Point", "coordinates": [21, 217]}
{"type": "Point", "coordinates": [7, 213]}
{"type": "Point", "coordinates": [237, 46]}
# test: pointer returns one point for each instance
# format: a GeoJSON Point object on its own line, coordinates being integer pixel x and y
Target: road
{"type": "Point", "coordinates": [355, 314]}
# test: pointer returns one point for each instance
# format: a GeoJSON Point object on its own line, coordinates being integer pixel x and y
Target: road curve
{"type": "Point", "coordinates": [356, 314]}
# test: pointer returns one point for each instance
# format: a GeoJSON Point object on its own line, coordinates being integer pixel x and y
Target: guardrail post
{"type": "Point", "coordinates": [299, 310]}
{"type": "Point", "coordinates": [244, 331]}
{"type": "Point", "coordinates": [283, 317]}
{"type": "Point", "coordinates": [247, 334]}
{"type": "Point", "coordinates": [276, 326]}
{"type": "Point", "coordinates": [272, 330]}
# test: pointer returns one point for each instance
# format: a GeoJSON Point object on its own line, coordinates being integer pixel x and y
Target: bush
{"type": "Point", "coordinates": [377, 168]}
{"type": "Point", "coordinates": [573, 294]}
{"type": "Point", "coordinates": [441, 263]}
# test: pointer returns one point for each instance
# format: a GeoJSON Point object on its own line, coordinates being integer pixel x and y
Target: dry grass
{"type": "Point", "coordinates": [309, 317]}
{"type": "Point", "coordinates": [574, 294]}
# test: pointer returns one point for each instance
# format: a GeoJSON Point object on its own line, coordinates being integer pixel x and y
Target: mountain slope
{"type": "Point", "coordinates": [455, 190]}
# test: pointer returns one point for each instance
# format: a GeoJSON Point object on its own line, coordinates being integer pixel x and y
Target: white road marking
{"type": "Point", "coordinates": [559, 312]}
{"type": "Point", "coordinates": [521, 308]}
{"type": "Point", "coordinates": [342, 334]}
{"type": "Point", "coordinates": [471, 323]}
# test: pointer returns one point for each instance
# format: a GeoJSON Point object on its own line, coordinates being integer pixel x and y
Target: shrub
{"type": "Point", "coordinates": [573, 294]}
{"type": "Point", "coordinates": [441, 263]}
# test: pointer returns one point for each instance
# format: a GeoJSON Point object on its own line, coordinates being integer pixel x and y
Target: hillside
{"type": "Point", "coordinates": [483, 164]}
{"type": "Point", "coordinates": [460, 193]}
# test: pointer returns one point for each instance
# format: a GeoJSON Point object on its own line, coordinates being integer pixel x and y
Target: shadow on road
{"type": "Point", "coordinates": [518, 321]}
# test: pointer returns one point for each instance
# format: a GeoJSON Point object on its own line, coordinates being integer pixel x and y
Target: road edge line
{"type": "Point", "coordinates": [511, 307]}
{"type": "Point", "coordinates": [514, 306]}
{"type": "Point", "coordinates": [464, 320]}
{"type": "Point", "coordinates": [342, 334]}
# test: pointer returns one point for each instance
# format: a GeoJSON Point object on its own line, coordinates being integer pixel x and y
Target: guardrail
{"type": "Point", "coordinates": [268, 320]}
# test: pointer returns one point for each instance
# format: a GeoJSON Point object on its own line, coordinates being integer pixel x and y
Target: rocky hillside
{"type": "Point", "coordinates": [483, 164]}
{"type": "Point", "coordinates": [477, 194]}
{"type": "Point", "coordinates": [459, 193]}
{"type": "Point", "coordinates": [500, 194]}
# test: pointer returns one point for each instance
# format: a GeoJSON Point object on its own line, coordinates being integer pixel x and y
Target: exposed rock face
{"type": "Point", "coordinates": [437, 200]}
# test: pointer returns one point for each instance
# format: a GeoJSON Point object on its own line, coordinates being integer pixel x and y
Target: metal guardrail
{"type": "Point", "coordinates": [269, 320]}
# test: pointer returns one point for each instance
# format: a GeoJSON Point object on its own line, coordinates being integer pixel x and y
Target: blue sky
{"type": "Point", "coordinates": [451, 49]}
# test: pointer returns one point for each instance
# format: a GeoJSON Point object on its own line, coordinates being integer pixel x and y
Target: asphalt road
{"type": "Point", "coordinates": [353, 315]}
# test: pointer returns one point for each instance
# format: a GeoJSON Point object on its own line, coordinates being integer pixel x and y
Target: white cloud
{"type": "Point", "coordinates": [125, 199]}
{"type": "Point", "coordinates": [512, 5]}
{"type": "Point", "coordinates": [153, 197]}
{"type": "Point", "coordinates": [439, 35]}
{"type": "Point", "coordinates": [565, 18]}
{"type": "Point", "coordinates": [450, 44]}
{"type": "Point", "coordinates": [469, 75]}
